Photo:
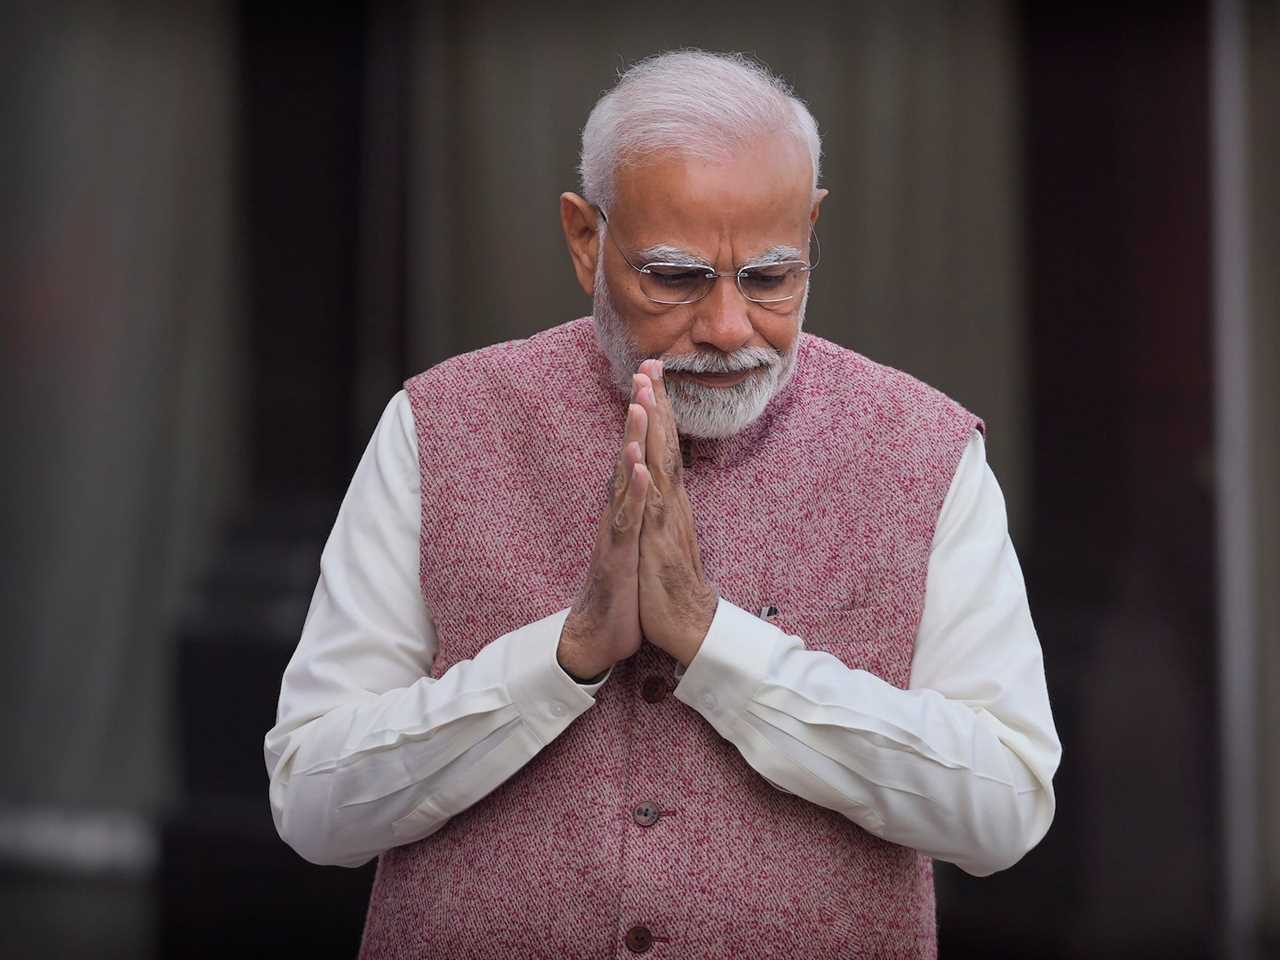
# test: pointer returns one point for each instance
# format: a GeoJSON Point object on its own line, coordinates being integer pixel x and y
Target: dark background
{"type": "Point", "coordinates": [234, 230]}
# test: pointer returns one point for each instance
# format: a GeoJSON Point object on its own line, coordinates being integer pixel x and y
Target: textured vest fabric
{"type": "Point", "coordinates": [825, 507]}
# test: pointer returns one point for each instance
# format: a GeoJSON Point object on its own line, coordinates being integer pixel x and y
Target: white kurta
{"type": "Point", "coordinates": [958, 766]}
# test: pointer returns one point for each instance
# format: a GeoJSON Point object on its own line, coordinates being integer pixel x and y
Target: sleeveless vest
{"type": "Point", "coordinates": [824, 507]}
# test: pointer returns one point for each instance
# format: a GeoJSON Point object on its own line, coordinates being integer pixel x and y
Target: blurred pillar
{"type": "Point", "coordinates": [302, 159]}
{"type": "Point", "coordinates": [384, 178]}
{"type": "Point", "coordinates": [122, 380]}
{"type": "Point", "coordinates": [321, 160]}
{"type": "Point", "coordinates": [1123, 571]}
{"type": "Point", "coordinates": [1240, 460]}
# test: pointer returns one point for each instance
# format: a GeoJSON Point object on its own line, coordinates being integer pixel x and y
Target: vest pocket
{"type": "Point", "coordinates": [827, 629]}
{"type": "Point", "coordinates": [862, 638]}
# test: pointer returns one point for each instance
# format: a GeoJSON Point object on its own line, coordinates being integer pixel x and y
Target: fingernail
{"type": "Point", "coordinates": [658, 365]}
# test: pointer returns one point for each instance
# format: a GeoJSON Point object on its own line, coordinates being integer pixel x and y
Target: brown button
{"type": "Point", "coordinates": [638, 939]}
{"type": "Point", "coordinates": [654, 689]}
{"type": "Point", "coordinates": [646, 814]}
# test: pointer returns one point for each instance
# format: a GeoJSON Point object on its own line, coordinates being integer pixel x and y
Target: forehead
{"type": "Point", "coordinates": [761, 196]}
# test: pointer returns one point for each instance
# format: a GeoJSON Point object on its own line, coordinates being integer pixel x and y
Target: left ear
{"type": "Point", "coordinates": [578, 220]}
{"type": "Point", "coordinates": [818, 196]}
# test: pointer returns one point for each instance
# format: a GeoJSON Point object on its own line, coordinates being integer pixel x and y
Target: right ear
{"type": "Point", "coordinates": [580, 223]}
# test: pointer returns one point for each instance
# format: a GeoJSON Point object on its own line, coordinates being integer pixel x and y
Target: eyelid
{"type": "Point", "coordinates": [772, 263]}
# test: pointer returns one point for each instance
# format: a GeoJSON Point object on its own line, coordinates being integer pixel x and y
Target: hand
{"type": "Point", "coordinates": [677, 604]}
{"type": "Point", "coordinates": [603, 625]}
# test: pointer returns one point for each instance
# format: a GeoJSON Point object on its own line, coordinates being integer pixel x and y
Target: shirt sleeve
{"type": "Point", "coordinates": [368, 750]}
{"type": "Point", "coordinates": [959, 766]}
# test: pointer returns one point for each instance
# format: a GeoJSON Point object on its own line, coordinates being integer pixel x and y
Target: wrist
{"type": "Point", "coordinates": [707, 608]}
{"type": "Point", "coordinates": [581, 669]}
{"type": "Point", "coordinates": [584, 680]}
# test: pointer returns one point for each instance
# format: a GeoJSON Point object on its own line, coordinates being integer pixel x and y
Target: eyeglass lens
{"type": "Point", "coordinates": [768, 283]}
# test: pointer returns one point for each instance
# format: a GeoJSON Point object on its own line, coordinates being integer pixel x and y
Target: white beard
{"type": "Point", "coordinates": [700, 411]}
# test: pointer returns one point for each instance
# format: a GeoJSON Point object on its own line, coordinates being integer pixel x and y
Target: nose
{"type": "Point", "coordinates": [720, 318]}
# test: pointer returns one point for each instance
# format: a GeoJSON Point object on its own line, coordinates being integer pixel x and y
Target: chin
{"type": "Point", "coordinates": [713, 413]}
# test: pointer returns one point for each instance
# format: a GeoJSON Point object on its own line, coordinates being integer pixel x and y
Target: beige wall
{"type": "Point", "coordinates": [918, 107]}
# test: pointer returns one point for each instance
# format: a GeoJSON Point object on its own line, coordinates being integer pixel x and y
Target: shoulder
{"type": "Point", "coordinates": [498, 361]}
{"type": "Point", "coordinates": [865, 388]}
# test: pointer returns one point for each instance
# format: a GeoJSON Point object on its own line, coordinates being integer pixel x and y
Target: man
{"type": "Point", "coordinates": [673, 629]}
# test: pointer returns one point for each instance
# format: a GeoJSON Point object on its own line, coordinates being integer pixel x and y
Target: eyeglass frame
{"type": "Point", "coordinates": [710, 274]}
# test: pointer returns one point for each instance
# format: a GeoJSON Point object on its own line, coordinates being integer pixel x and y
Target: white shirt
{"type": "Point", "coordinates": [369, 751]}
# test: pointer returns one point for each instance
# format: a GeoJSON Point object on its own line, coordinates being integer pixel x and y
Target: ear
{"type": "Point", "coordinates": [580, 222]}
{"type": "Point", "coordinates": [818, 197]}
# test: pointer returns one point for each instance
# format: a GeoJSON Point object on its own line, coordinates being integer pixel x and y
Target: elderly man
{"type": "Point", "coordinates": [672, 629]}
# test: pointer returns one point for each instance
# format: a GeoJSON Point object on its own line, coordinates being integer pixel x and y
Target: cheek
{"type": "Point", "coordinates": [664, 334]}
{"type": "Point", "coordinates": [655, 329]}
{"type": "Point", "coordinates": [778, 330]}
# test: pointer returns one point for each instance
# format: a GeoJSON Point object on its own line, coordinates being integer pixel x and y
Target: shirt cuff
{"type": "Point", "coordinates": [729, 666]}
{"type": "Point", "coordinates": [548, 698]}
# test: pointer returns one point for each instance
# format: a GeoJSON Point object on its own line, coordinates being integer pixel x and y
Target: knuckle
{"type": "Point", "coordinates": [616, 484]}
{"type": "Point", "coordinates": [673, 459]}
{"type": "Point", "coordinates": [619, 525]}
{"type": "Point", "coordinates": [655, 505]}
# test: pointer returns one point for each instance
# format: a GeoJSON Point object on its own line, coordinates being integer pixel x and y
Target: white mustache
{"type": "Point", "coordinates": [748, 358]}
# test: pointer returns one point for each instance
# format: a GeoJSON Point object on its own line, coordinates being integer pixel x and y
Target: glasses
{"type": "Point", "coordinates": [765, 283]}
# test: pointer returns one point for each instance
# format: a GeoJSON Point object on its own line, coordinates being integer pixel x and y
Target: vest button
{"type": "Point", "coordinates": [654, 689]}
{"type": "Point", "coordinates": [646, 814]}
{"type": "Point", "coordinates": [638, 939]}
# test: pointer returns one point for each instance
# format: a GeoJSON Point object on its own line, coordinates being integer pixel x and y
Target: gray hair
{"type": "Point", "coordinates": [693, 103]}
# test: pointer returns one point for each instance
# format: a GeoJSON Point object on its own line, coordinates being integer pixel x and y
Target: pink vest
{"type": "Point", "coordinates": [825, 508]}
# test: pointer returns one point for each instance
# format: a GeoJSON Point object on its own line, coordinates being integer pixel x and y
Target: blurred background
{"type": "Point", "coordinates": [231, 230]}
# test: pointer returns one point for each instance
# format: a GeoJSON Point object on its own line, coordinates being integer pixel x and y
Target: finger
{"type": "Point", "coordinates": [668, 436]}
{"type": "Point", "coordinates": [637, 425]}
{"type": "Point", "coordinates": [654, 370]}
{"type": "Point", "coordinates": [655, 505]}
{"type": "Point", "coordinates": [620, 481]}
{"type": "Point", "coordinates": [631, 453]}
{"type": "Point", "coordinates": [628, 517]}
{"type": "Point", "coordinates": [657, 448]}
{"type": "Point", "coordinates": [633, 439]}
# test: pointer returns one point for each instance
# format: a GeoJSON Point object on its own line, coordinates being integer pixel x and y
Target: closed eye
{"type": "Point", "coordinates": [765, 277]}
{"type": "Point", "coordinates": [675, 275]}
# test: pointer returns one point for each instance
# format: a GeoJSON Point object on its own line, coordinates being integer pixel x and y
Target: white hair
{"type": "Point", "coordinates": [692, 103]}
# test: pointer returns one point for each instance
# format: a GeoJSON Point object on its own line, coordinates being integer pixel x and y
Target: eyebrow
{"type": "Point", "coordinates": [776, 254]}
{"type": "Point", "coordinates": [662, 253]}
